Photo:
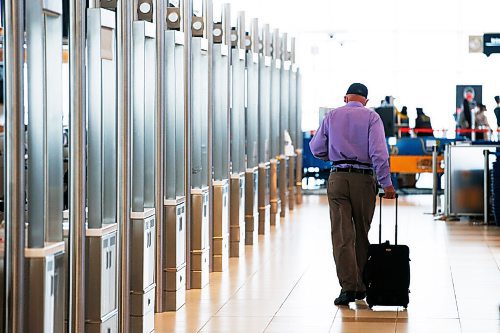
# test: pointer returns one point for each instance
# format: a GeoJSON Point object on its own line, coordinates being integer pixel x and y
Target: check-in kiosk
{"type": "Point", "coordinates": [221, 34]}
{"type": "Point", "coordinates": [143, 229]}
{"type": "Point", "coordinates": [174, 249]}
{"type": "Point", "coordinates": [45, 264]}
{"type": "Point", "coordinates": [200, 215]}
{"type": "Point", "coordinates": [237, 142]}
{"type": "Point", "coordinates": [265, 69]}
{"type": "Point", "coordinates": [252, 132]}
{"type": "Point", "coordinates": [101, 242]}
{"type": "Point", "coordinates": [275, 137]}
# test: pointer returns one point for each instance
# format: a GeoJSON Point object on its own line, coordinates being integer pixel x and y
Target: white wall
{"type": "Point", "coordinates": [415, 51]}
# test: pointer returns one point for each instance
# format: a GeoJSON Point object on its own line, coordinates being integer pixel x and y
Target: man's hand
{"type": "Point", "coordinates": [389, 192]}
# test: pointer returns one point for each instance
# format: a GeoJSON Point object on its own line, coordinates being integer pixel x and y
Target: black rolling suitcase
{"type": "Point", "coordinates": [387, 271]}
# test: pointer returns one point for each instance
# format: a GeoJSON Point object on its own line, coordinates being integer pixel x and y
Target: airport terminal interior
{"type": "Point", "coordinates": [160, 172]}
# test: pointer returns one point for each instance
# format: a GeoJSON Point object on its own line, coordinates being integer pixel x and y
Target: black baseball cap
{"type": "Point", "coordinates": [358, 89]}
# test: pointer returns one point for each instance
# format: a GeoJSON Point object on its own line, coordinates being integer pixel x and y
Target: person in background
{"type": "Point", "coordinates": [404, 111]}
{"type": "Point", "coordinates": [481, 123]}
{"type": "Point", "coordinates": [497, 110]}
{"type": "Point", "coordinates": [464, 121]}
{"type": "Point", "coordinates": [403, 122]}
{"type": "Point", "coordinates": [353, 138]}
{"type": "Point", "coordinates": [423, 126]}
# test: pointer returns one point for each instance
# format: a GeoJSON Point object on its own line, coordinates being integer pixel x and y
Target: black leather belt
{"type": "Point", "coordinates": [353, 170]}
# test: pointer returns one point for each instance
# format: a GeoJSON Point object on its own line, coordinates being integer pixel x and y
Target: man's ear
{"type": "Point", "coordinates": [366, 102]}
{"type": "Point", "coordinates": [345, 99]}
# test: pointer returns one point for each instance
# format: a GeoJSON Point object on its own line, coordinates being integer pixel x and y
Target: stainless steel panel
{"type": "Point", "coordinates": [292, 118]}
{"type": "Point", "coordinates": [45, 146]}
{"type": "Point", "coordinates": [138, 111]}
{"type": "Point", "coordinates": [237, 100]}
{"type": "Point", "coordinates": [199, 100]}
{"type": "Point", "coordinates": [252, 110]}
{"type": "Point", "coordinates": [300, 139]}
{"type": "Point", "coordinates": [264, 109]}
{"type": "Point", "coordinates": [275, 134]}
{"type": "Point", "coordinates": [149, 120]}
{"type": "Point", "coordinates": [101, 165]}
{"type": "Point", "coordinates": [251, 207]}
{"type": "Point", "coordinates": [220, 79]}
{"type": "Point", "coordinates": [284, 105]}
{"type": "Point", "coordinates": [174, 116]}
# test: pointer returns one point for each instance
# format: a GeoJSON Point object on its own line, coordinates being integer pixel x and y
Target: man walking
{"type": "Point", "coordinates": [353, 138]}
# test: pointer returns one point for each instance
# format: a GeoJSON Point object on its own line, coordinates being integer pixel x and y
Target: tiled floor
{"type": "Point", "coordinates": [287, 282]}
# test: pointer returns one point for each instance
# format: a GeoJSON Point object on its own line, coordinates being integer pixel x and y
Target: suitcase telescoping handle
{"type": "Point", "coordinates": [381, 196]}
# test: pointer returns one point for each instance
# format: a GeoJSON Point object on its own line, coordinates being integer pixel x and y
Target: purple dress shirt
{"type": "Point", "coordinates": [353, 132]}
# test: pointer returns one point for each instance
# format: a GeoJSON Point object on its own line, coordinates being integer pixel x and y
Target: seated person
{"type": "Point", "coordinates": [481, 123]}
{"type": "Point", "coordinates": [423, 126]}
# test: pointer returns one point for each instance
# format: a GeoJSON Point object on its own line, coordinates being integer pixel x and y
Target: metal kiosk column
{"type": "Point", "coordinates": [237, 134]}
{"type": "Point", "coordinates": [287, 188]}
{"type": "Point", "coordinates": [252, 134]}
{"type": "Point", "coordinates": [265, 69]}
{"type": "Point", "coordinates": [143, 230]}
{"type": "Point", "coordinates": [101, 310]}
{"type": "Point", "coordinates": [276, 158]}
{"type": "Point", "coordinates": [284, 108]}
{"type": "Point", "coordinates": [45, 265]}
{"type": "Point", "coordinates": [174, 250]}
{"type": "Point", "coordinates": [200, 219]}
{"type": "Point", "coordinates": [299, 141]}
{"type": "Point", "coordinates": [292, 122]}
{"type": "Point", "coordinates": [220, 104]}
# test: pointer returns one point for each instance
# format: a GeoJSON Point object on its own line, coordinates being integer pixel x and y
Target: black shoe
{"type": "Point", "coordinates": [360, 295]}
{"type": "Point", "coordinates": [345, 298]}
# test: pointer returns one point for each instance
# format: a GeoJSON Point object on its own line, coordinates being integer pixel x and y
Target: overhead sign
{"type": "Point", "coordinates": [491, 43]}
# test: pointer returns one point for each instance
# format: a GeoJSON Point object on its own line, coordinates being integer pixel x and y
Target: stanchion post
{"type": "Point", "coordinates": [486, 153]}
{"type": "Point", "coordinates": [77, 181]}
{"type": "Point", "coordinates": [14, 175]}
{"type": "Point", "coordinates": [124, 53]}
{"type": "Point", "coordinates": [434, 180]}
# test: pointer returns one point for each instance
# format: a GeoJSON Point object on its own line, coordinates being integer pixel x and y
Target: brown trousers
{"type": "Point", "coordinates": [352, 199]}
